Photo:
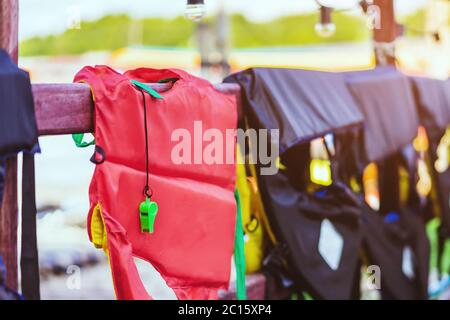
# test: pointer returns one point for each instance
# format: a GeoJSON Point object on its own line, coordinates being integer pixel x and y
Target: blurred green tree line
{"type": "Point", "coordinates": [113, 32]}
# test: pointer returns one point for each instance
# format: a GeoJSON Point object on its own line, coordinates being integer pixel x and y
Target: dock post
{"type": "Point", "coordinates": [9, 21]}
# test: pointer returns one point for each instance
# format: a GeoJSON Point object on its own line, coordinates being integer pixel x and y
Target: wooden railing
{"type": "Point", "coordinates": [68, 108]}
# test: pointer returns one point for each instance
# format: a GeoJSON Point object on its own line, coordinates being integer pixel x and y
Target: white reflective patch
{"type": "Point", "coordinates": [155, 285]}
{"type": "Point", "coordinates": [233, 271]}
{"type": "Point", "coordinates": [407, 264]}
{"type": "Point", "coordinates": [331, 244]}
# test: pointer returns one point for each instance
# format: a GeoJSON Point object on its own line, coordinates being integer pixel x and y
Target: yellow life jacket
{"type": "Point", "coordinates": [254, 220]}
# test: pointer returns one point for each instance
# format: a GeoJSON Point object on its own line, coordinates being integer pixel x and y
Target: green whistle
{"type": "Point", "coordinates": [147, 213]}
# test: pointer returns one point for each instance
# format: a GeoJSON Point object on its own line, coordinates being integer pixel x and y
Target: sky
{"type": "Point", "coordinates": [44, 17]}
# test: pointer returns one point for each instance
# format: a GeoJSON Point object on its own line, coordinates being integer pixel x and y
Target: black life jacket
{"type": "Point", "coordinates": [18, 129]}
{"type": "Point", "coordinates": [432, 98]}
{"type": "Point", "coordinates": [396, 240]}
{"type": "Point", "coordinates": [302, 104]}
{"type": "Point", "coordinates": [19, 133]}
{"type": "Point", "coordinates": [398, 245]}
{"type": "Point", "coordinates": [309, 223]}
{"type": "Point", "coordinates": [385, 98]}
{"type": "Point", "coordinates": [318, 232]}
{"type": "Point", "coordinates": [394, 237]}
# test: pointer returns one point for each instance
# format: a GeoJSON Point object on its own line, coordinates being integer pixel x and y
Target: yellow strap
{"type": "Point", "coordinates": [258, 206]}
{"type": "Point", "coordinates": [256, 198]}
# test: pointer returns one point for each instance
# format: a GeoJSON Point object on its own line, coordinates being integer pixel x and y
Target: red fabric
{"type": "Point", "coordinates": [193, 241]}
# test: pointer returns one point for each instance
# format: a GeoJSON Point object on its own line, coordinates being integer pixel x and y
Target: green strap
{"type": "Point", "coordinates": [239, 256]}
{"type": "Point", "coordinates": [145, 87]}
{"type": "Point", "coordinates": [78, 137]}
{"type": "Point", "coordinates": [166, 80]}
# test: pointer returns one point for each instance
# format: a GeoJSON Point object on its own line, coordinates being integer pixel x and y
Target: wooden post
{"type": "Point", "coordinates": [9, 27]}
{"type": "Point", "coordinates": [385, 33]}
{"type": "Point", "coordinates": [9, 13]}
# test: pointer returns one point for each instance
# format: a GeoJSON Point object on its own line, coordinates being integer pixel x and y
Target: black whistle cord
{"type": "Point", "coordinates": [148, 192]}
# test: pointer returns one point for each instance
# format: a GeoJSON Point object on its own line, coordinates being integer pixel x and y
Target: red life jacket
{"type": "Point", "coordinates": [192, 243]}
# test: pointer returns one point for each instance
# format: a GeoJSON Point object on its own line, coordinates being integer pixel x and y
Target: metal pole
{"type": "Point", "coordinates": [204, 45]}
{"type": "Point", "coordinates": [223, 36]}
{"type": "Point", "coordinates": [385, 33]}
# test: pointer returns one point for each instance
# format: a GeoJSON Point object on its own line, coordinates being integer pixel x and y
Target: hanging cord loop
{"type": "Point", "coordinates": [142, 87]}
{"type": "Point", "coordinates": [148, 192]}
{"type": "Point", "coordinates": [147, 209]}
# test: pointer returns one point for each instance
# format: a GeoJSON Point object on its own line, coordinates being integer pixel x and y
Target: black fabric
{"type": "Point", "coordinates": [18, 129]}
{"type": "Point", "coordinates": [442, 187]}
{"type": "Point", "coordinates": [296, 218]}
{"type": "Point", "coordinates": [29, 262]}
{"type": "Point", "coordinates": [383, 244]}
{"type": "Point", "coordinates": [409, 159]}
{"type": "Point", "coordinates": [386, 234]}
{"type": "Point", "coordinates": [5, 292]}
{"type": "Point", "coordinates": [389, 184]}
{"type": "Point", "coordinates": [433, 104]}
{"type": "Point", "coordinates": [385, 98]}
{"type": "Point", "coordinates": [446, 85]}
{"type": "Point", "coordinates": [279, 284]}
{"type": "Point", "coordinates": [302, 104]}
{"type": "Point", "coordinates": [18, 133]}
{"type": "Point", "coordinates": [349, 159]}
